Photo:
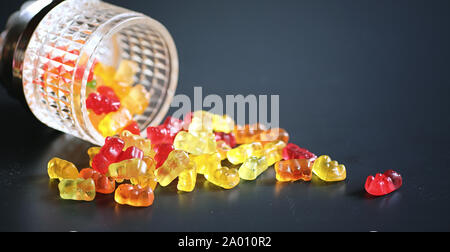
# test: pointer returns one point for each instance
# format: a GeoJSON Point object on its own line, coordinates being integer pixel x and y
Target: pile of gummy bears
{"type": "Point", "coordinates": [203, 143]}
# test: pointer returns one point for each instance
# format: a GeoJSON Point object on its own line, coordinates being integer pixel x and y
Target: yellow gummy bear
{"type": "Point", "coordinates": [224, 177]}
{"type": "Point", "coordinates": [126, 71]}
{"type": "Point", "coordinates": [328, 170]}
{"type": "Point", "coordinates": [187, 178]}
{"type": "Point", "coordinates": [138, 171]}
{"type": "Point", "coordinates": [137, 100]}
{"type": "Point", "coordinates": [274, 152]}
{"type": "Point", "coordinates": [206, 162]}
{"type": "Point", "coordinates": [105, 76]}
{"type": "Point", "coordinates": [92, 152]}
{"type": "Point", "coordinates": [114, 122]}
{"type": "Point", "coordinates": [95, 119]}
{"type": "Point", "coordinates": [222, 148]}
{"type": "Point", "coordinates": [77, 189]}
{"type": "Point", "coordinates": [239, 154]}
{"type": "Point", "coordinates": [222, 123]}
{"type": "Point", "coordinates": [176, 162]}
{"type": "Point", "coordinates": [203, 143]}
{"type": "Point", "coordinates": [149, 180]}
{"type": "Point", "coordinates": [139, 142]}
{"type": "Point", "coordinates": [105, 73]}
{"type": "Point", "coordinates": [61, 169]}
{"type": "Point", "coordinates": [201, 122]}
{"type": "Point", "coordinates": [253, 167]}
{"type": "Point", "coordinates": [127, 169]}
{"type": "Point", "coordinates": [208, 122]}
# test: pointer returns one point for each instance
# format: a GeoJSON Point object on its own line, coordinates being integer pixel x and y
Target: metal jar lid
{"type": "Point", "coordinates": [14, 41]}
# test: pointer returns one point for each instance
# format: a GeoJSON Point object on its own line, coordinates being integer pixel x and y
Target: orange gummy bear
{"type": "Point", "coordinates": [136, 196]}
{"type": "Point", "coordinates": [293, 170]}
{"type": "Point", "coordinates": [103, 184]}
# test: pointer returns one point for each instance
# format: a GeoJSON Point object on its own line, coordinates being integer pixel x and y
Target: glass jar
{"type": "Point", "coordinates": [56, 55]}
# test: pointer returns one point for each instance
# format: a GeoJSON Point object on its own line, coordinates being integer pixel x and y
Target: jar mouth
{"type": "Point", "coordinates": [143, 40]}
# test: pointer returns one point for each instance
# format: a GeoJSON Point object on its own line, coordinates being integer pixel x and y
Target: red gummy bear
{"type": "Point", "coordinates": [108, 154]}
{"type": "Point", "coordinates": [107, 91]}
{"type": "Point", "coordinates": [187, 120]}
{"type": "Point", "coordinates": [162, 152]}
{"type": "Point", "coordinates": [159, 135]}
{"type": "Point", "coordinates": [383, 184]}
{"type": "Point", "coordinates": [133, 127]}
{"type": "Point", "coordinates": [395, 177]}
{"type": "Point", "coordinates": [174, 125]}
{"type": "Point", "coordinates": [229, 138]}
{"type": "Point", "coordinates": [165, 133]}
{"type": "Point", "coordinates": [102, 104]}
{"type": "Point", "coordinates": [130, 153]}
{"type": "Point", "coordinates": [292, 151]}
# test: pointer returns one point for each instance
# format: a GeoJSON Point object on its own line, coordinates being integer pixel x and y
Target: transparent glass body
{"type": "Point", "coordinates": [68, 53]}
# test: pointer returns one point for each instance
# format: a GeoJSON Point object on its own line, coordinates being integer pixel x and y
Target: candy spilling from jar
{"type": "Point", "coordinates": [178, 151]}
{"type": "Point", "coordinates": [113, 97]}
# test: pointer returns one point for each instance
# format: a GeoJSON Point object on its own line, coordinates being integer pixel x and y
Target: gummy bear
{"type": "Point", "coordinates": [395, 177]}
{"type": "Point", "coordinates": [201, 122]}
{"type": "Point", "coordinates": [108, 154]}
{"type": "Point", "coordinates": [127, 169]}
{"type": "Point", "coordinates": [273, 152]}
{"type": "Point", "coordinates": [253, 167]}
{"type": "Point", "coordinates": [149, 179]}
{"type": "Point", "coordinates": [383, 184]}
{"type": "Point", "coordinates": [137, 100]}
{"type": "Point", "coordinates": [223, 123]}
{"type": "Point", "coordinates": [133, 128]}
{"type": "Point", "coordinates": [293, 170]}
{"type": "Point", "coordinates": [92, 152]}
{"type": "Point", "coordinates": [126, 71]}
{"type": "Point", "coordinates": [108, 92]}
{"type": "Point", "coordinates": [328, 170]}
{"type": "Point", "coordinates": [240, 154]}
{"type": "Point", "coordinates": [272, 135]}
{"type": "Point", "coordinates": [61, 169]}
{"type": "Point", "coordinates": [95, 119]}
{"type": "Point", "coordinates": [187, 178]}
{"type": "Point", "coordinates": [206, 162]}
{"type": "Point", "coordinates": [174, 125]}
{"type": "Point", "coordinates": [134, 195]}
{"type": "Point", "coordinates": [103, 184]}
{"type": "Point", "coordinates": [165, 133]}
{"type": "Point", "coordinates": [92, 84]}
{"type": "Point", "coordinates": [102, 104]}
{"type": "Point", "coordinates": [224, 177]}
{"type": "Point", "coordinates": [203, 143]}
{"type": "Point", "coordinates": [114, 122]}
{"type": "Point", "coordinates": [105, 76]}
{"type": "Point", "coordinates": [162, 152]}
{"type": "Point", "coordinates": [248, 133]}
{"type": "Point", "coordinates": [176, 162]}
{"type": "Point", "coordinates": [187, 120]}
{"type": "Point", "coordinates": [222, 148]}
{"type": "Point", "coordinates": [292, 151]}
{"type": "Point", "coordinates": [137, 141]}
{"type": "Point", "coordinates": [160, 135]}
{"type": "Point", "coordinates": [229, 138]}
{"type": "Point", "coordinates": [130, 153]}
{"type": "Point", "coordinates": [77, 189]}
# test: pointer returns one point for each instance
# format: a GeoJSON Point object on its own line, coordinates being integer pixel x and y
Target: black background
{"type": "Point", "coordinates": [366, 82]}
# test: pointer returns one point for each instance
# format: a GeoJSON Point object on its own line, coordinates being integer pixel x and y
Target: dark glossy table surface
{"type": "Point", "coordinates": [365, 82]}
